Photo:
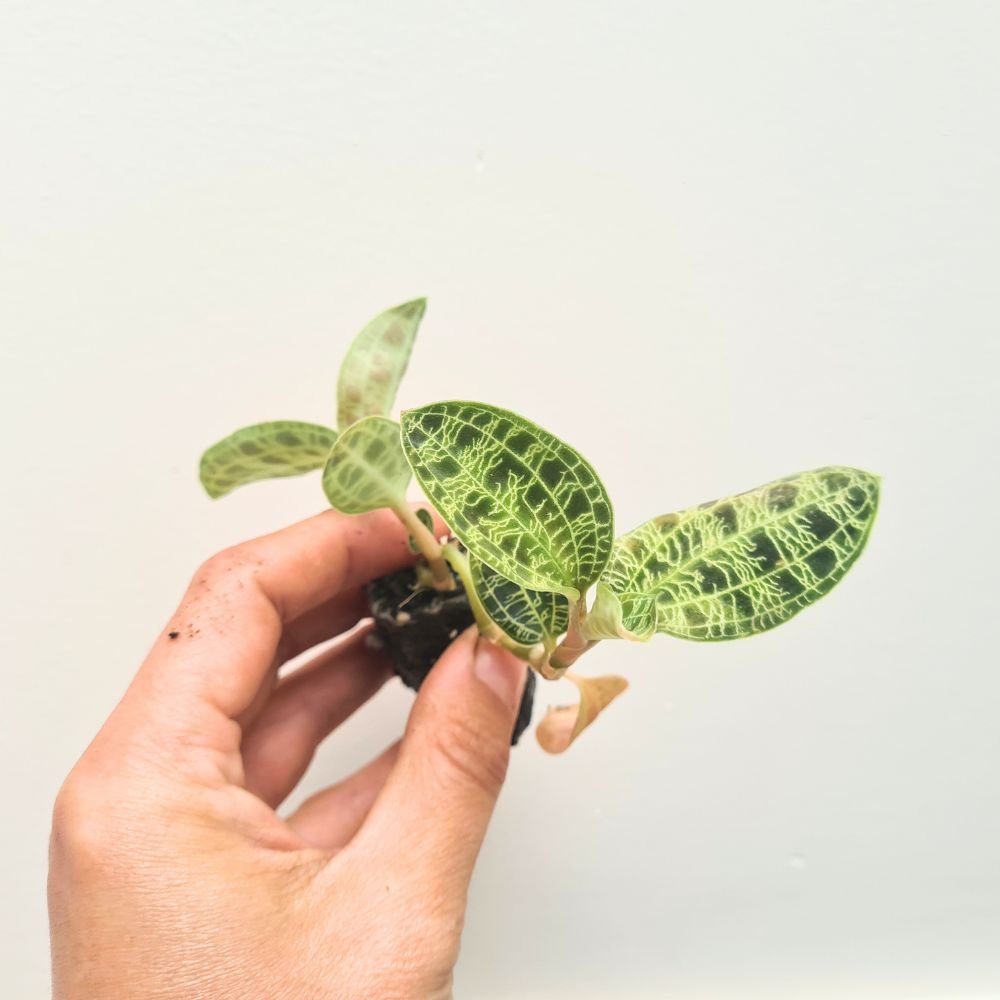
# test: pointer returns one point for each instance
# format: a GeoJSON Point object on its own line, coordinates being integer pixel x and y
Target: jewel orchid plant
{"type": "Point", "coordinates": [532, 541]}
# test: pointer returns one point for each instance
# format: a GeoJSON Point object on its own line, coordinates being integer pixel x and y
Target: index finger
{"type": "Point", "coordinates": [220, 644]}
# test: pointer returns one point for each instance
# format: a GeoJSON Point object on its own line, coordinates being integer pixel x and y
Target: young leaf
{"type": "Point", "coordinates": [367, 468]}
{"type": "Point", "coordinates": [264, 451]}
{"type": "Point", "coordinates": [527, 504]}
{"type": "Point", "coordinates": [745, 564]}
{"type": "Point", "coordinates": [375, 363]}
{"type": "Point", "coordinates": [611, 617]}
{"type": "Point", "coordinates": [527, 616]}
{"type": "Point", "coordinates": [562, 725]}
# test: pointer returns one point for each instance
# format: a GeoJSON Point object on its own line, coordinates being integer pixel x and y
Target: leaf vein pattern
{"type": "Point", "coordinates": [524, 502]}
{"type": "Point", "coordinates": [747, 563]}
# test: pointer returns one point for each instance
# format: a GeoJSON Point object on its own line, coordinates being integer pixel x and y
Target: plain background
{"type": "Point", "coordinates": [709, 244]}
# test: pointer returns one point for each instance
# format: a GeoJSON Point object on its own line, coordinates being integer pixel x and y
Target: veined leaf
{"type": "Point", "coordinates": [264, 451]}
{"type": "Point", "coordinates": [527, 616]}
{"type": "Point", "coordinates": [367, 468]}
{"type": "Point", "coordinates": [742, 565]}
{"type": "Point", "coordinates": [562, 725]}
{"type": "Point", "coordinates": [375, 362]}
{"type": "Point", "coordinates": [527, 504]}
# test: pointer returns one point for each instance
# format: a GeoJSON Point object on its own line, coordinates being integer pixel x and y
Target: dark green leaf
{"type": "Point", "coordinates": [525, 502]}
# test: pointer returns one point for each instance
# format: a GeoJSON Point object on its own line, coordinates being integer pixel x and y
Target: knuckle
{"type": "Point", "coordinates": [80, 826]}
{"type": "Point", "coordinates": [224, 574]}
{"type": "Point", "coordinates": [460, 752]}
{"type": "Point", "coordinates": [236, 559]}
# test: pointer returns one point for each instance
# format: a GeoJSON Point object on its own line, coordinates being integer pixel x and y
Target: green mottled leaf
{"type": "Point", "coordinates": [367, 468]}
{"type": "Point", "coordinates": [375, 363]}
{"type": "Point", "coordinates": [527, 504]}
{"type": "Point", "coordinates": [742, 565]}
{"type": "Point", "coordinates": [264, 451]}
{"type": "Point", "coordinates": [614, 618]}
{"type": "Point", "coordinates": [423, 516]}
{"type": "Point", "coordinates": [527, 616]}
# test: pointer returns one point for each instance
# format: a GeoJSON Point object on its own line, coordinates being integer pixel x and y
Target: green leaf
{"type": "Point", "coordinates": [742, 565]}
{"type": "Point", "coordinates": [375, 363]}
{"type": "Point", "coordinates": [264, 451]}
{"type": "Point", "coordinates": [367, 469]}
{"type": "Point", "coordinates": [527, 504]}
{"type": "Point", "coordinates": [527, 616]}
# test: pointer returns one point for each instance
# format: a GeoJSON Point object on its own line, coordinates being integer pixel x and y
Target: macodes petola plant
{"type": "Point", "coordinates": [532, 557]}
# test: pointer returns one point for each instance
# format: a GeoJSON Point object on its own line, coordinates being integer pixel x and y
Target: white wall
{"type": "Point", "coordinates": [709, 244]}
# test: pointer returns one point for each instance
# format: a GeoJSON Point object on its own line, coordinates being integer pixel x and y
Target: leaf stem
{"type": "Point", "coordinates": [574, 644]}
{"type": "Point", "coordinates": [430, 548]}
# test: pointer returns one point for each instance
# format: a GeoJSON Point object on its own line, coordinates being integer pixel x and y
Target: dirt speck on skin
{"type": "Point", "coordinates": [173, 635]}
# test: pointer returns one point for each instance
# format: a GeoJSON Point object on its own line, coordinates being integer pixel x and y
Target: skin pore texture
{"type": "Point", "coordinates": [172, 874]}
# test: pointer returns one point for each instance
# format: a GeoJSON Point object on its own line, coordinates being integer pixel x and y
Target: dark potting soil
{"type": "Point", "coordinates": [418, 625]}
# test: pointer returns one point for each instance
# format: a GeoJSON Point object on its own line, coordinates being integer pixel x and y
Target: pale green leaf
{"type": "Point", "coordinates": [613, 618]}
{"type": "Point", "coordinates": [367, 468]}
{"type": "Point", "coordinates": [264, 451]}
{"type": "Point", "coordinates": [527, 504]}
{"type": "Point", "coordinates": [375, 363]}
{"type": "Point", "coordinates": [562, 725]}
{"type": "Point", "coordinates": [745, 564]}
{"type": "Point", "coordinates": [527, 616]}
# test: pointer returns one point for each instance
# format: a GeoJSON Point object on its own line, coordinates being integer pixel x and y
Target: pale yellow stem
{"type": "Point", "coordinates": [429, 546]}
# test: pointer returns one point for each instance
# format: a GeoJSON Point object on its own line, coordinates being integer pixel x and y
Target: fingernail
{"type": "Point", "coordinates": [501, 672]}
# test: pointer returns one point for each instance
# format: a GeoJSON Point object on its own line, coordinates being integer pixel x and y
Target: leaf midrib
{"type": "Point", "coordinates": [807, 590]}
{"type": "Point", "coordinates": [768, 522]}
{"type": "Point", "coordinates": [757, 579]}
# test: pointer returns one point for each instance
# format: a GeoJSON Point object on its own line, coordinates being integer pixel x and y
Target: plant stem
{"type": "Point", "coordinates": [429, 546]}
{"type": "Point", "coordinates": [459, 562]}
{"type": "Point", "coordinates": [573, 644]}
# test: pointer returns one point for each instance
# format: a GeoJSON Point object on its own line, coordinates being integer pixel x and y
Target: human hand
{"type": "Point", "coordinates": [171, 875]}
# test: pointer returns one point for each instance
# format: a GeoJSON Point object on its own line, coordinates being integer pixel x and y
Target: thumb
{"type": "Point", "coordinates": [436, 805]}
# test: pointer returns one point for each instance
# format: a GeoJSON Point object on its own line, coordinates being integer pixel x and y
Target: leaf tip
{"type": "Point", "coordinates": [415, 307]}
{"type": "Point", "coordinates": [208, 484]}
